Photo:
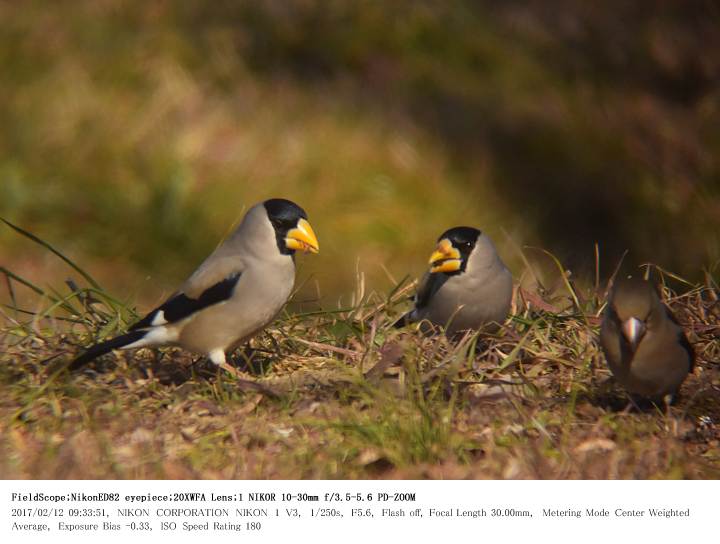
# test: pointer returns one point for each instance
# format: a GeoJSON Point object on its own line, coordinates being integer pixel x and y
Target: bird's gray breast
{"type": "Point", "coordinates": [472, 299]}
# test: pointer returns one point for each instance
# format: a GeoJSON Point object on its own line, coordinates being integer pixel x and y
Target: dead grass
{"type": "Point", "coordinates": [344, 395]}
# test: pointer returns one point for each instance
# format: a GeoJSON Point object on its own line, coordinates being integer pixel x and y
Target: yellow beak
{"type": "Point", "coordinates": [302, 238]}
{"type": "Point", "coordinates": [446, 258]}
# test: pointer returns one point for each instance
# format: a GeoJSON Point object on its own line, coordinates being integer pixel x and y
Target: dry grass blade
{"type": "Point", "coordinates": [327, 347]}
{"type": "Point", "coordinates": [390, 354]}
{"type": "Point", "coordinates": [525, 403]}
{"type": "Point", "coordinates": [565, 278]}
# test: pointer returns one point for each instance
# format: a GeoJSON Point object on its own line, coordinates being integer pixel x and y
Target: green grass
{"type": "Point", "coordinates": [344, 395]}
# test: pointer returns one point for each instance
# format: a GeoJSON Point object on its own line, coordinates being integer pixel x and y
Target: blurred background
{"type": "Point", "coordinates": [134, 134]}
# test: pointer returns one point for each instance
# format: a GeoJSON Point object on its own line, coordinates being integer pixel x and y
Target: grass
{"type": "Point", "coordinates": [342, 394]}
{"type": "Point", "coordinates": [132, 134]}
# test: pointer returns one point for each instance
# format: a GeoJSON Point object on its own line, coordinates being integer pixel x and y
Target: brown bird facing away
{"type": "Point", "coordinates": [235, 293]}
{"type": "Point", "coordinates": [645, 347]}
{"type": "Point", "coordinates": [467, 287]}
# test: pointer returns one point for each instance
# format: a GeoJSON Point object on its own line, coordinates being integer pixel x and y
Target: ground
{"type": "Point", "coordinates": [343, 394]}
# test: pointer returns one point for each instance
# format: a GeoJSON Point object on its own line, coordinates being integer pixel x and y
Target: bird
{"type": "Point", "coordinates": [645, 347]}
{"type": "Point", "coordinates": [234, 294]}
{"type": "Point", "coordinates": [467, 287]}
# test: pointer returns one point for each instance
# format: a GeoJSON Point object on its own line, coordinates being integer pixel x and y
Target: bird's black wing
{"type": "Point", "coordinates": [428, 286]}
{"type": "Point", "coordinates": [685, 343]}
{"type": "Point", "coordinates": [682, 337]}
{"type": "Point", "coordinates": [180, 306]}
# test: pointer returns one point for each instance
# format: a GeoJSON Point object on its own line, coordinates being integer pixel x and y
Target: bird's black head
{"type": "Point", "coordinates": [283, 214]}
{"type": "Point", "coordinates": [292, 229]}
{"type": "Point", "coordinates": [462, 238]}
{"type": "Point", "coordinates": [453, 250]}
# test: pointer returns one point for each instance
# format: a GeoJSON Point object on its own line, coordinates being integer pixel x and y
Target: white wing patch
{"type": "Point", "coordinates": [155, 337]}
{"type": "Point", "coordinates": [159, 319]}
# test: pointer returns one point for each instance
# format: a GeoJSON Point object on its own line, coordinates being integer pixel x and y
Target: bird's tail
{"type": "Point", "coordinates": [106, 347]}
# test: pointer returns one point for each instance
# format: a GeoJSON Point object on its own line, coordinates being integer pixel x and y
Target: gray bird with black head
{"type": "Point", "coordinates": [235, 293]}
{"type": "Point", "coordinates": [645, 347]}
{"type": "Point", "coordinates": [467, 287]}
